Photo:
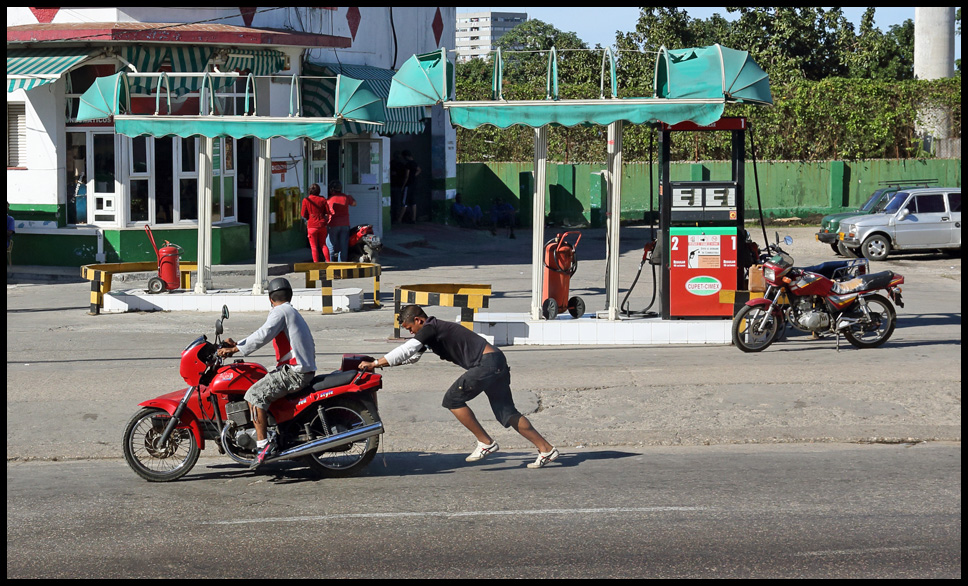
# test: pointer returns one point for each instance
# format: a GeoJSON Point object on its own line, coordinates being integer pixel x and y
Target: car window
{"type": "Point", "coordinates": [954, 201]}
{"type": "Point", "coordinates": [929, 203]}
{"type": "Point", "coordinates": [874, 199]}
{"type": "Point", "coordinates": [897, 200]}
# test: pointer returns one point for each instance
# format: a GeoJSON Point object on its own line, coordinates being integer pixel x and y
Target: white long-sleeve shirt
{"type": "Point", "coordinates": [290, 337]}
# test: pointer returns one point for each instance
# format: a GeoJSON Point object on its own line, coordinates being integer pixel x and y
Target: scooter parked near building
{"type": "Point", "coordinates": [812, 302]}
{"type": "Point", "coordinates": [332, 425]}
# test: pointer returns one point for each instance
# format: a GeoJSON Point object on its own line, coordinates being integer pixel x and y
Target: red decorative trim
{"type": "Point", "coordinates": [45, 15]}
{"type": "Point", "coordinates": [247, 13]}
{"type": "Point", "coordinates": [353, 18]}
{"type": "Point", "coordinates": [170, 33]}
{"type": "Point", "coordinates": [437, 26]}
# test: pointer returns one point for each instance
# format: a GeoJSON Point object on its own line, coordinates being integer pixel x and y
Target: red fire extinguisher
{"type": "Point", "coordinates": [560, 263]}
{"type": "Point", "coordinates": [168, 271]}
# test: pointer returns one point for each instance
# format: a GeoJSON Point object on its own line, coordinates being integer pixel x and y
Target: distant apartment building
{"type": "Point", "coordinates": [478, 32]}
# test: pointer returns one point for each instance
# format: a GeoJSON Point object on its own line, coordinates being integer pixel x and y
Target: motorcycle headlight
{"type": "Point", "coordinates": [769, 273]}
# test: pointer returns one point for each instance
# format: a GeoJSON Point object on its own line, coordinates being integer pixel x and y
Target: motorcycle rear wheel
{"type": "Point", "coordinates": [874, 334]}
{"type": "Point", "coordinates": [153, 463]}
{"type": "Point", "coordinates": [343, 414]}
{"type": "Point", "coordinates": [750, 333]}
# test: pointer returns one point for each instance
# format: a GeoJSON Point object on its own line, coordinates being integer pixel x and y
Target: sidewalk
{"type": "Point", "coordinates": [403, 246]}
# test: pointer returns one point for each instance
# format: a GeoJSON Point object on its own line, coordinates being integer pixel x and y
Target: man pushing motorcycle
{"type": "Point", "coordinates": [487, 372]}
{"type": "Point", "coordinates": [295, 360]}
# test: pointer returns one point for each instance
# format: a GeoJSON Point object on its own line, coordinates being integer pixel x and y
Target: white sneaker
{"type": "Point", "coordinates": [482, 451]}
{"type": "Point", "coordinates": [544, 458]}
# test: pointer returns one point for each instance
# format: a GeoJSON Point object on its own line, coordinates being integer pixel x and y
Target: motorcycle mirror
{"type": "Point", "coordinates": [788, 240]}
{"type": "Point", "coordinates": [225, 312]}
{"type": "Point", "coordinates": [218, 327]}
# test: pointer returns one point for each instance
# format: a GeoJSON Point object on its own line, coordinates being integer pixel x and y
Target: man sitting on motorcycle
{"type": "Point", "coordinates": [295, 360]}
{"type": "Point", "coordinates": [487, 372]}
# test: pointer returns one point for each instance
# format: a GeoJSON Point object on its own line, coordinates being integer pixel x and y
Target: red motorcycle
{"type": "Point", "coordinates": [813, 302]}
{"type": "Point", "coordinates": [365, 246]}
{"type": "Point", "coordinates": [332, 425]}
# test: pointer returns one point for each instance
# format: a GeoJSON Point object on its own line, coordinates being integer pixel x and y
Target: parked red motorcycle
{"type": "Point", "coordinates": [365, 246]}
{"type": "Point", "coordinates": [332, 425]}
{"type": "Point", "coordinates": [812, 302]}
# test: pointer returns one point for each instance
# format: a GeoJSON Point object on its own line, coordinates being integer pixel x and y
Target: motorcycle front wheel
{"type": "Point", "coordinates": [158, 463]}
{"type": "Point", "coordinates": [873, 333]}
{"type": "Point", "coordinates": [755, 327]}
{"type": "Point", "coordinates": [343, 414]}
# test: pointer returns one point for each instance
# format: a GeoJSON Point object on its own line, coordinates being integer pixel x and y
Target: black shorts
{"type": "Point", "coordinates": [492, 377]}
{"type": "Point", "coordinates": [409, 197]}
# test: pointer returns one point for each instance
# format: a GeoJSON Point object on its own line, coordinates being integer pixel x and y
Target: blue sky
{"type": "Point", "coordinates": [598, 24]}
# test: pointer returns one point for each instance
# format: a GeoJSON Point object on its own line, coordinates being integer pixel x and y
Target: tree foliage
{"type": "Point", "coordinates": [838, 93]}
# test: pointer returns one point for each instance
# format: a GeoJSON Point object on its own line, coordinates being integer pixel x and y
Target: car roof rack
{"type": "Point", "coordinates": [908, 182]}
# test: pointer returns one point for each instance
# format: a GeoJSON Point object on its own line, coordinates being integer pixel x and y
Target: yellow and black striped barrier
{"type": "Point", "coordinates": [327, 272]}
{"type": "Point", "coordinates": [100, 276]}
{"type": "Point", "coordinates": [469, 298]}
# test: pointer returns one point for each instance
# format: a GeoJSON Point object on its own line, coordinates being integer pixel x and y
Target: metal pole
{"type": "Point", "coordinates": [205, 155]}
{"type": "Point", "coordinates": [537, 220]}
{"type": "Point", "coordinates": [263, 191]}
{"type": "Point", "coordinates": [614, 214]}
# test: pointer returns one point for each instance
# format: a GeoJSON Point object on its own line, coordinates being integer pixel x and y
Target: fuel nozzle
{"type": "Point", "coordinates": [647, 252]}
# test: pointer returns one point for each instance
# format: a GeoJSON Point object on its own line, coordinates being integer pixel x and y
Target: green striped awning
{"type": "Point", "coordinates": [183, 59]}
{"type": "Point", "coordinates": [318, 96]}
{"type": "Point", "coordinates": [30, 68]}
{"type": "Point", "coordinates": [257, 62]}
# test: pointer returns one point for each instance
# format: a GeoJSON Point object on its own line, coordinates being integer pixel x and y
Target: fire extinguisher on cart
{"type": "Point", "coordinates": [169, 273]}
{"type": "Point", "coordinates": [560, 263]}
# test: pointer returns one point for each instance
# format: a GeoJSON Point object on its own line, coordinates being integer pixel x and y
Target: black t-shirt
{"type": "Point", "coordinates": [452, 341]}
{"type": "Point", "coordinates": [412, 177]}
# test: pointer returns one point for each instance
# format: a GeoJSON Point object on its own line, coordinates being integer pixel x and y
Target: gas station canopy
{"type": "Point", "coordinates": [690, 85]}
{"type": "Point", "coordinates": [110, 96]}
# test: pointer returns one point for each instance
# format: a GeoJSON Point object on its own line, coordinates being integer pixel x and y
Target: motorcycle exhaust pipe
{"type": "Point", "coordinates": [326, 443]}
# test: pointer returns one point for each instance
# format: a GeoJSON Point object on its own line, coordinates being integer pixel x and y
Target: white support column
{"type": "Point", "coordinates": [263, 190]}
{"type": "Point", "coordinates": [614, 215]}
{"type": "Point", "coordinates": [203, 281]}
{"type": "Point", "coordinates": [537, 220]}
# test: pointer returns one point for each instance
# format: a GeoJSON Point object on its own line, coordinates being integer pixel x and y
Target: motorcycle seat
{"type": "Point", "coordinates": [827, 268]}
{"type": "Point", "coordinates": [334, 379]}
{"type": "Point", "coordinates": [871, 282]}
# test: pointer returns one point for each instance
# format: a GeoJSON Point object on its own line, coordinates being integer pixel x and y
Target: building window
{"type": "Point", "coordinates": [16, 134]}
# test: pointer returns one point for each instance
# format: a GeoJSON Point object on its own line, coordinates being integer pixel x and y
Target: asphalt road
{"type": "Point", "coordinates": [780, 511]}
{"type": "Point", "coordinates": [678, 461]}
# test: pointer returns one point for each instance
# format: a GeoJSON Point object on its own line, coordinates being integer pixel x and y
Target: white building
{"type": "Point", "coordinates": [81, 193]}
{"type": "Point", "coordinates": [478, 32]}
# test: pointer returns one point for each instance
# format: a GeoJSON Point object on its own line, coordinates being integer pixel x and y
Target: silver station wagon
{"type": "Point", "coordinates": [914, 219]}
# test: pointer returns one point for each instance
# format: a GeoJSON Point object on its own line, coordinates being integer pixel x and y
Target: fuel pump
{"type": "Point", "coordinates": [701, 227]}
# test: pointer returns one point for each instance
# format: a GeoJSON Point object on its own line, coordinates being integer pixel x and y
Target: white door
{"type": "Point", "coordinates": [362, 179]}
{"type": "Point", "coordinates": [927, 224]}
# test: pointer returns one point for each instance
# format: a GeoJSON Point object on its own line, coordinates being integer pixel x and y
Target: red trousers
{"type": "Point", "coordinates": [317, 242]}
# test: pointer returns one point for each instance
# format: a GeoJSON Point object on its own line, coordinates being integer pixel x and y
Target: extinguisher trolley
{"type": "Point", "coordinates": [560, 263]}
{"type": "Point", "coordinates": [168, 271]}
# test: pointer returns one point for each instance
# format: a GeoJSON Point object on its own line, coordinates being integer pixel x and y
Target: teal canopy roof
{"type": "Point", "coordinates": [710, 72]}
{"type": "Point", "coordinates": [690, 85]}
{"type": "Point", "coordinates": [319, 97]}
{"type": "Point", "coordinates": [263, 127]}
{"type": "Point", "coordinates": [423, 80]}
{"type": "Point", "coordinates": [354, 102]}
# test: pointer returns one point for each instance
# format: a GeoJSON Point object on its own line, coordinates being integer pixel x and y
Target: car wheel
{"type": "Point", "coordinates": [876, 247]}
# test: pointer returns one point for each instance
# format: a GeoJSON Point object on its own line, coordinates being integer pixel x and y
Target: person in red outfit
{"type": "Point", "coordinates": [338, 239]}
{"type": "Point", "coordinates": [315, 210]}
